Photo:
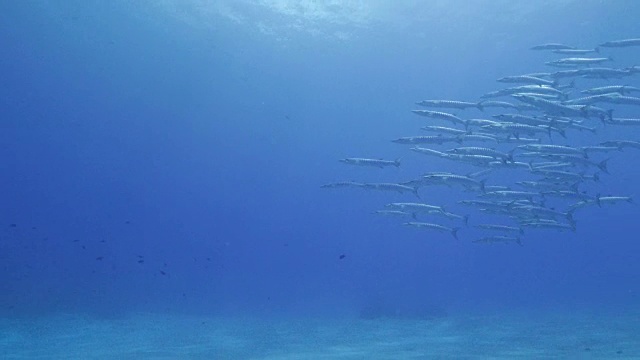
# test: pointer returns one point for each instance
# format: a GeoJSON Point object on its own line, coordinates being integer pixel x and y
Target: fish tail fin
{"type": "Point", "coordinates": [396, 162]}
{"type": "Point", "coordinates": [521, 231]}
{"type": "Point", "coordinates": [598, 200]}
{"type": "Point", "coordinates": [570, 219]}
{"type": "Point", "coordinates": [465, 219]}
{"type": "Point", "coordinates": [575, 185]}
{"type": "Point", "coordinates": [610, 114]}
{"type": "Point", "coordinates": [415, 192]}
{"type": "Point", "coordinates": [562, 133]}
{"type": "Point", "coordinates": [454, 232]}
{"type": "Point", "coordinates": [480, 106]}
{"type": "Point", "coordinates": [603, 166]}
{"type": "Point", "coordinates": [414, 216]}
{"type": "Point", "coordinates": [603, 119]}
{"type": "Point", "coordinates": [482, 185]}
{"type": "Point", "coordinates": [596, 177]}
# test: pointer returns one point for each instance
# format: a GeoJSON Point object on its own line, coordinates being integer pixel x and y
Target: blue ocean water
{"type": "Point", "coordinates": [162, 170]}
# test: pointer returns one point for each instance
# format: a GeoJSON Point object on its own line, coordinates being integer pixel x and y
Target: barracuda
{"type": "Point", "coordinates": [371, 162]}
{"type": "Point", "coordinates": [421, 225]}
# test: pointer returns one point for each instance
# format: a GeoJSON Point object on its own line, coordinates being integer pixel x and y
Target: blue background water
{"type": "Point", "coordinates": [197, 135]}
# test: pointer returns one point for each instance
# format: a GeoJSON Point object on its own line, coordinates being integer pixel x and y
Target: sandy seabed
{"type": "Point", "coordinates": [161, 336]}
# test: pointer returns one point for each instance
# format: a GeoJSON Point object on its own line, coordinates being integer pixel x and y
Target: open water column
{"type": "Point", "coordinates": [277, 179]}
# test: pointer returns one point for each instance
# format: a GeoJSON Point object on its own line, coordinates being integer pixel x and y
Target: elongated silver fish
{"type": "Point", "coordinates": [498, 239]}
{"type": "Point", "coordinates": [626, 122]}
{"type": "Point", "coordinates": [588, 100]}
{"type": "Point", "coordinates": [415, 140]}
{"type": "Point", "coordinates": [622, 89]}
{"type": "Point", "coordinates": [498, 104]}
{"type": "Point", "coordinates": [523, 119]}
{"type": "Point", "coordinates": [443, 129]}
{"type": "Point", "coordinates": [474, 150]}
{"type": "Point", "coordinates": [552, 97]}
{"type": "Point", "coordinates": [426, 151]}
{"type": "Point", "coordinates": [454, 104]}
{"type": "Point", "coordinates": [565, 175]}
{"type": "Point", "coordinates": [600, 200]}
{"type": "Point", "coordinates": [453, 179]}
{"type": "Point", "coordinates": [551, 107]}
{"type": "Point", "coordinates": [510, 194]}
{"type": "Point", "coordinates": [616, 98]}
{"type": "Point", "coordinates": [519, 140]}
{"type": "Point", "coordinates": [477, 138]}
{"type": "Point", "coordinates": [526, 79]}
{"type": "Point", "coordinates": [621, 43]}
{"type": "Point", "coordinates": [548, 225]}
{"type": "Point", "coordinates": [621, 144]}
{"type": "Point", "coordinates": [537, 89]}
{"type": "Point", "coordinates": [371, 162]}
{"type": "Point", "coordinates": [480, 122]}
{"type": "Point", "coordinates": [568, 194]}
{"type": "Point", "coordinates": [579, 61]}
{"type": "Point", "coordinates": [574, 160]}
{"type": "Point", "coordinates": [604, 73]}
{"type": "Point", "coordinates": [392, 213]}
{"type": "Point", "coordinates": [595, 73]}
{"type": "Point", "coordinates": [421, 225]}
{"type": "Point", "coordinates": [342, 184]}
{"type": "Point", "coordinates": [477, 160]}
{"type": "Point", "coordinates": [576, 51]}
{"type": "Point", "coordinates": [517, 129]}
{"type": "Point", "coordinates": [552, 46]}
{"type": "Point", "coordinates": [553, 149]}
{"type": "Point", "coordinates": [439, 115]}
{"type": "Point", "coordinates": [415, 207]}
{"type": "Point", "coordinates": [391, 187]}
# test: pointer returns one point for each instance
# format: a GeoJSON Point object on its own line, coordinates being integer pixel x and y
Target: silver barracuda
{"type": "Point", "coordinates": [371, 162]}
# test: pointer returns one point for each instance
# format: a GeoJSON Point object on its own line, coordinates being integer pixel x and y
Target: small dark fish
{"type": "Point", "coordinates": [103, 241]}
{"type": "Point", "coordinates": [162, 272]}
{"type": "Point", "coordinates": [99, 258]}
{"type": "Point", "coordinates": [84, 247]}
{"type": "Point", "coordinates": [13, 225]}
{"type": "Point", "coordinates": [127, 222]}
{"type": "Point", "coordinates": [208, 259]}
{"type": "Point", "coordinates": [140, 256]}
{"type": "Point", "coordinates": [342, 256]}
{"type": "Point", "coordinates": [140, 261]}
{"type": "Point", "coordinates": [76, 240]}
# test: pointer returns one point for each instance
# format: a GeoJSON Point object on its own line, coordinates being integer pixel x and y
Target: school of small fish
{"type": "Point", "coordinates": [528, 134]}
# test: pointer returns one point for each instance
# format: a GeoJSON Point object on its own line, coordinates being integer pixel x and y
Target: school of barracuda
{"type": "Point", "coordinates": [529, 134]}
